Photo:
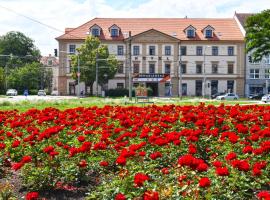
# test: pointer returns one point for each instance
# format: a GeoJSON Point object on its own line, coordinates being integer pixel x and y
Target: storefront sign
{"type": "Point", "coordinates": [151, 77]}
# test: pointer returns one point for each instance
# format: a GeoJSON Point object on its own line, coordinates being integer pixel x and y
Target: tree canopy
{"type": "Point", "coordinates": [258, 35]}
{"type": "Point", "coordinates": [20, 48]}
{"type": "Point", "coordinates": [87, 58]}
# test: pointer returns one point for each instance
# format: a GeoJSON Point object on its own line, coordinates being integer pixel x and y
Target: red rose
{"type": "Point", "coordinates": [83, 163]}
{"type": "Point", "coordinates": [31, 196]}
{"type": "Point", "coordinates": [155, 155]}
{"type": "Point", "coordinates": [204, 182]}
{"type": "Point", "coordinates": [15, 143]}
{"type": "Point", "coordinates": [150, 195]}
{"type": "Point", "coordinates": [263, 195]}
{"type": "Point", "coordinates": [222, 171]}
{"type": "Point", "coordinates": [120, 196]}
{"type": "Point", "coordinates": [103, 163]}
{"type": "Point", "coordinates": [202, 167]}
{"type": "Point", "coordinates": [140, 178]}
{"type": "Point", "coordinates": [81, 138]}
{"type": "Point", "coordinates": [48, 149]}
{"type": "Point", "coordinates": [165, 170]}
{"type": "Point", "coordinates": [231, 156]}
{"type": "Point", "coordinates": [17, 166]}
{"type": "Point", "coordinates": [26, 159]}
{"type": "Point", "coordinates": [121, 160]}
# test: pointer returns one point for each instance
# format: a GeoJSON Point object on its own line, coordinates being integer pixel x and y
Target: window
{"type": "Point", "coordinates": [136, 68]}
{"type": "Point", "coordinates": [183, 68]}
{"type": "Point", "coordinates": [230, 68]}
{"type": "Point", "coordinates": [267, 73]}
{"type": "Point", "coordinates": [114, 32]}
{"type": "Point", "coordinates": [120, 69]}
{"type": "Point", "coordinates": [198, 68]}
{"type": "Point", "coordinates": [68, 69]}
{"type": "Point", "coordinates": [183, 50]}
{"type": "Point", "coordinates": [214, 68]}
{"type": "Point", "coordinates": [208, 33]}
{"type": "Point", "coordinates": [72, 48]}
{"type": "Point", "coordinates": [50, 62]}
{"type": "Point", "coordinates": [136, 50]}
{"type": "Point", "coordinates": [254, 73]}
{"type": "Point", "coordinates": [152, 50]}
{"type": "Point", "coordinates": [215, 51]}
{"type": "Point", "coordinates": [167, 50]}
{"type": "Point", "coordinates": [199, 50]}
{"type": "Point", "coordinates": [230, 86]}
{"type": "Point", "coordinates": [120, 85]}
{"type": "Point", "coordinates": [95, 32]}
{"type": "Point", "coordinates": [190, 33]}
{"type": "Point", "coordinates": [120, 50]}
{"type": "Point", "coordinates": [230, 51]}
{"type": "Point", "coordinates": [152, 68]}
{"type": "Point", "coordinates": [167, 68]}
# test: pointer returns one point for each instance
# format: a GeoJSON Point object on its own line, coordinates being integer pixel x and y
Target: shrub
{"type": "Point", "coordinates": [118, 92]}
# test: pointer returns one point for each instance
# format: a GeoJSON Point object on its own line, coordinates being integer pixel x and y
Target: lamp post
{"type": "Point", "coordinates": [204, 75]}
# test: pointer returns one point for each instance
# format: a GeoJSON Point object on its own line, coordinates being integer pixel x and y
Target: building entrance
{"type": "Point", "coordinates": [154, 87]}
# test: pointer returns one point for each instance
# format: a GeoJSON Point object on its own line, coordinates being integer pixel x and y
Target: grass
{"type": "Point", "coordinates": [95, 101]}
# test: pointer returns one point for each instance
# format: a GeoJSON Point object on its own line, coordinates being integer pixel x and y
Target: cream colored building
{"type": "Point", "coordinates": [210, 52]}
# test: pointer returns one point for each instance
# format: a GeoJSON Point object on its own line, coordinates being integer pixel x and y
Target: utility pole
{"type": "Point", "coordinates": [180, 73]}
{"type": "Point", "coordinates": [130, 69]}
{"type": "Point", "coordinates": [78, 74]}
{"type": "Point", "coordinates": [97, 73]}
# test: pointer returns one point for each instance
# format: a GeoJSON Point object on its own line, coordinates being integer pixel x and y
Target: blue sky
{"type": "Point", "coordinates": [72, 13]}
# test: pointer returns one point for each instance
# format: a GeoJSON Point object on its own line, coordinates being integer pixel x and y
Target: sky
{"type": "Point", "coordinates": [58, 14]}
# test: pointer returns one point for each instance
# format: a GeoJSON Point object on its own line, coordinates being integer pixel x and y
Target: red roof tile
{"type": "Point", "coordinates": [225, 28]}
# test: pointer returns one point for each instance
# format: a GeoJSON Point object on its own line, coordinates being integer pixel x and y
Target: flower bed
{"type": "Point", "coordinates": [154, 152]}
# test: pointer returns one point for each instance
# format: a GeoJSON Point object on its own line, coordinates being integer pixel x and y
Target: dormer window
{"type": "Point", "coordinates": [190, 31]}
{"type": "Point", "coordinates": [114, 32]}
{"type": "Point", "coordinates": [95, 32]}
{"type": "Point", "coordinates": [208, 31]}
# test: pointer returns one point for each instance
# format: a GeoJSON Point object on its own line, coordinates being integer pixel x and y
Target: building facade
{"type": "Point", "coordinates": [257, 73]}
{"type": "Point", "coordinates": [204, 56]}
{"type": "Point", "coordinates": [52, 63]}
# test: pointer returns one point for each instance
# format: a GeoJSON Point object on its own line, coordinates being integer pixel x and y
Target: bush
{"type": "Point", "coordinates": [118, 92]}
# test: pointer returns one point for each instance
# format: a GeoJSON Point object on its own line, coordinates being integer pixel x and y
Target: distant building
{"type": "Point", "coordinates": [257, 73]}
{"type": "Point", "coordinates": [51, 62]}
{"type": "Point", "coordinates": [211, 53]}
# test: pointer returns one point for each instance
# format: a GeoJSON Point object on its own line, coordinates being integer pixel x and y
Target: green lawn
{"type": "Point", "coordinates": [95, 101]}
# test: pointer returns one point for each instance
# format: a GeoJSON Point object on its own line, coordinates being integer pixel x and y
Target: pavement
{"type": "Point", "coordinates": [35, 98]}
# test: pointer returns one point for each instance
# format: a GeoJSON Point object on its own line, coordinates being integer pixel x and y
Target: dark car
{"type": "Point", "coordinates": [255, 96]}
{"type": "Point", "coordinates": [213, 96]}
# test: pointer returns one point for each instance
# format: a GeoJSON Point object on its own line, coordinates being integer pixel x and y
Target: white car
{"type": "Point", "coordinates": [41, 93]}
{"type": "Point", "coordinates": [266, 98]}
{"type": "Point", "coordinates": [55, 93]}
{"type": "Point", "coordinates": [228, 96]}
{"type": "Point", "coordinates": [11, 92]}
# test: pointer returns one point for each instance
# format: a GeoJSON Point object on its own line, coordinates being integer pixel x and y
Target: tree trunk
{"type": "Point", "coordinates": [91, 89]}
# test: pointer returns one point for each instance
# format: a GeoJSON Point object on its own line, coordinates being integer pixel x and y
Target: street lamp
{"type": "Point", "coordinates": [204, 75]}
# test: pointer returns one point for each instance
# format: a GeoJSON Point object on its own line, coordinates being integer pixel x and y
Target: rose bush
{"type": "Point", "coordinates": [154, 152]}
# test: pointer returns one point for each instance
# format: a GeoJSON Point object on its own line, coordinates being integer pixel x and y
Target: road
{"type": "Point", "coordinates": [35, 98]}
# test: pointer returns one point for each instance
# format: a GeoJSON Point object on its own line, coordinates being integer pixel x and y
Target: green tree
{"type": "Point", "coordinates": [20, 48]}
{"type": "Point", "coordinates": [87, 57]}
{"type": "Point", "coordinates": [32, 76]}
{"type": "Point", "coordinates": [2, 81]}
{"type": "Point", "coordinates": [258, 35]}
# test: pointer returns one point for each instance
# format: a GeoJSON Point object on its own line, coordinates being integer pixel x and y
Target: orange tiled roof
{"type": "Point", "coordinates": [225, 28]}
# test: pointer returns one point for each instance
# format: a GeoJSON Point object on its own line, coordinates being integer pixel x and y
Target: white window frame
{"type": "Point", "coordinates": [254, 73]}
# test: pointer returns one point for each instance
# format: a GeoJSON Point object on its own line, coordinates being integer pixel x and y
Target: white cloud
{"type": "Point", "coordinates": [72, 13]}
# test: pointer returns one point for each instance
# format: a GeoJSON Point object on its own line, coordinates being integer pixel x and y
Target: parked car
{"type": "Point", "coordinates": [266, 98]}
{"type": "Point", "coordinates": [255, 96]}
{"type": "Point", "coordinates": [55, 93]}
{"type": "Point", "coordinates": [213, 96]}
{"type": "Point", "coordinates": [11, 92]}
{"type": "Point", "coordinates": [41, 93]}
{"type": "Point", "coordinates": [228, 96]}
